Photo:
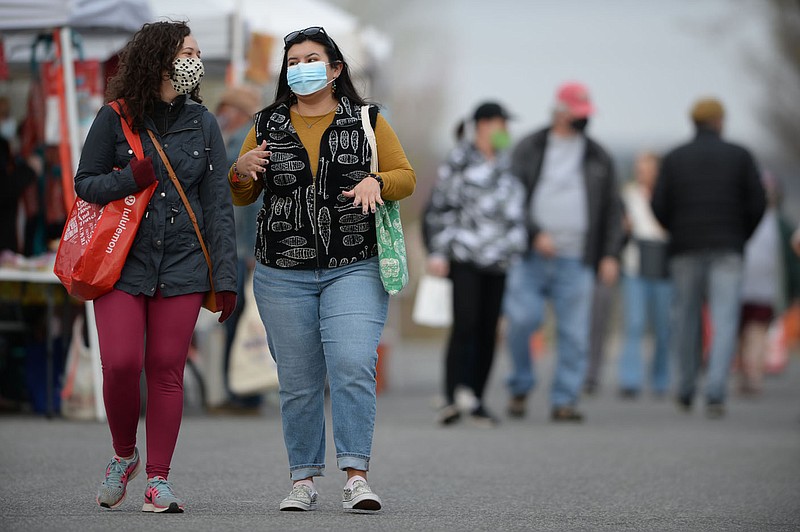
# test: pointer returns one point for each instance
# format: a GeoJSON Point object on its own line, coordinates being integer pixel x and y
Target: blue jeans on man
{"type": "Point", "coordinates": [717, 277]}
{"type": "Point", "coordinates": [568, 283]}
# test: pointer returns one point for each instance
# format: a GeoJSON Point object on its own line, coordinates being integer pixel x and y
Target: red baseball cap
{"type": "Point", "coordinates": [575, 97]}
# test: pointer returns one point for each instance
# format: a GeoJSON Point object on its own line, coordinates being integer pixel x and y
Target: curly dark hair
{"type": "Point", "coordinates": [142, 63]}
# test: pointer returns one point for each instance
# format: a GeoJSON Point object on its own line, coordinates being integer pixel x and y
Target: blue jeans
{"type": "Point", "coordinates": [645, 298]}
{"type": "Point", "coordinates": [696, 276]}
{"type": "Point", "coordinates": [324, 322]}
{"type": "Point", "coordinates": [568, 283]}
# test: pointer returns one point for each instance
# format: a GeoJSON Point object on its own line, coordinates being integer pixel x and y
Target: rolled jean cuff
{"type": "Point", "coordinates": [352, 461]}
{"type": "Point", "coordinates": [306, 471]}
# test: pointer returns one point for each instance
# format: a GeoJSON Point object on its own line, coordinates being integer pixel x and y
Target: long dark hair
{"type": "Point", "coordinates": [343, 87]}
{"type": "Point", "coordinates": [142, 63]}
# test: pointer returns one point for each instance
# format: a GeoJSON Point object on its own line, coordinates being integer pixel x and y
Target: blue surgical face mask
{"type": "Point", "coordinates": [307, 78]}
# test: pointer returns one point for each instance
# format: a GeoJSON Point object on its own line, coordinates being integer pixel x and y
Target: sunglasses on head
{"type": "Point", "coordinates": [308, 32]}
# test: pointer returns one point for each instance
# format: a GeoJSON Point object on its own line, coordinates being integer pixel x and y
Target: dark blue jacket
{"type": "Point", "coordinates": [166, 254]}
{"type": "Point", "coordinates": [708, 195]}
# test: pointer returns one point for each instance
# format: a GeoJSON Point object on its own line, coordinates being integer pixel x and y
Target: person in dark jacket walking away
{"type": "Point", "coordinates": [148, 318]}
{"type": "Point", "coordinates": [317, 281]}
{"type": "Point", "coordinates": [574, 222]}
{"type": "Point", "coordinates": [710, 198]}
{"type": "Point", "coordinates": [474, 226]}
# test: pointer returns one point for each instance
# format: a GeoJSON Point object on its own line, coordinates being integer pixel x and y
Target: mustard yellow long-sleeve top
{"type": "Point", "coordinates": [399, 179]}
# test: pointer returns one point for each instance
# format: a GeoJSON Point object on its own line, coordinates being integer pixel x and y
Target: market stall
{"type": "Point", "coordinates": [55, 39]}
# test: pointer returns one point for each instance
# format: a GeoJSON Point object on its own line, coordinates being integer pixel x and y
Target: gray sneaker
{"type": "Point", "coordinates": [301, 499]}
{"type": "Point", "coordinates": [159, 497]}
{"type": "Point", "coordinates": [360, 497]}
{"type": "Point", "coordinates": [118, 473]}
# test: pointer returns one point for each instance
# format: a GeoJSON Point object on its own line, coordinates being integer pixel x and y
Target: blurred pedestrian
{"type": "Point", "coordinates": [600, 316]}
{"type": "Point", "coordinates": [573, 214]}
{"type": "Point", "coordinates": [149, 317]}
{"type": "Point", "coordinates": [647, 290]}
{"type": "Point", "coordinates": [473, 227]}
{"type": "Point", "coordinates": [710, 199]}
{"type": "Point", "coordinates": [770, 282]}
{"type": "Point", "coordinates": [316, 280]}
{"type": "Point", "coordinates": [235, 110]}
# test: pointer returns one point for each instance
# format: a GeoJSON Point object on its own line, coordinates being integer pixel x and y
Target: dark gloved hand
{"type": "Point", "coordinates": [226, 301]}
{"type": "Point", "coordinates": [143, 172]}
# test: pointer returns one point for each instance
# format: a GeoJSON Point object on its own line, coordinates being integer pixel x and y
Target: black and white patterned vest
{"type": "Point", "coordinates": [306, 222]}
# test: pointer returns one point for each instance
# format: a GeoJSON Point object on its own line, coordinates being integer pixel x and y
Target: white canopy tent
{"type": "Point", "coordinates": [222, 26]}
{"type": "Point", "coordinates": [104, 26]}
{"type": "Point", "coordinates": [99, 15]}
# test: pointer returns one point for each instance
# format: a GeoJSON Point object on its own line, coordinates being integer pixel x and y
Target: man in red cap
{"type": "Point", "coordinates": [574, 224]}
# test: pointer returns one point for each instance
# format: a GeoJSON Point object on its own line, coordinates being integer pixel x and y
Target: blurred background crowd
{"type": "Point", "coordinates": [619, 84]}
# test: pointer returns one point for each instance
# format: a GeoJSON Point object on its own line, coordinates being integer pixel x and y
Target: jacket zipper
{"type": "Point", "coordinates": [166, 117]}
{"type": "Point", "coordinates": [161, 137]}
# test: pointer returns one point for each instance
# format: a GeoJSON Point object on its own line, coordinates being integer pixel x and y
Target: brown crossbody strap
{"type": "Point", "coordinates": [186, 204]}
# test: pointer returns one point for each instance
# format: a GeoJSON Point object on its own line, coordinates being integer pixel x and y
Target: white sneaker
{"type": "Point", "coordinates": [360, 497]}
{"type": "Point", "coordinates": [465, 399]}
{"type": "Point", "coordinates": [301, 499]}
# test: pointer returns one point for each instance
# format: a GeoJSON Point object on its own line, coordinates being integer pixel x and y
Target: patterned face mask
{"type": "Point", "coordinates": [188, 73]}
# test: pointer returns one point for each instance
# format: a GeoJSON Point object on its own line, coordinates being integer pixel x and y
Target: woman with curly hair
{"type": "Point", "coordinates": [148, 318]}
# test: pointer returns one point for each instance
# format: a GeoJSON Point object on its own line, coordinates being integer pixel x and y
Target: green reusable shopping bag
{"type": "Point", "coordinates": [391, 243]}
{"type": "Point", "coordinates": [391, 247]}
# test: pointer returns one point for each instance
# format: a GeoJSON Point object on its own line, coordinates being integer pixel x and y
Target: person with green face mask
{"type": "Point", "coordinates": [473, 227]}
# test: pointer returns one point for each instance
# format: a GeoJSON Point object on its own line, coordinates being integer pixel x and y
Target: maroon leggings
{"type": "Point", "coordinates": [153, 332]}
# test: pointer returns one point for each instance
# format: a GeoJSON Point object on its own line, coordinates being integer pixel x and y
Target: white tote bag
{"type": "Point", "coordinates": [433, 306]}
{"type": "Point", "coordinates": [77, 396]}
{"type": "Point", "coordinates": [252, 370]}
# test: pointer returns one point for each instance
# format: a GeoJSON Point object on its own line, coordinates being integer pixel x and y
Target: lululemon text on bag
{"type": "Point", "coordinates": [97, 238]}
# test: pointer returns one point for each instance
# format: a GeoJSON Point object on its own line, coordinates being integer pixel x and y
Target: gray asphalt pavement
{"type": "Point", "coordinates": [632, 466]}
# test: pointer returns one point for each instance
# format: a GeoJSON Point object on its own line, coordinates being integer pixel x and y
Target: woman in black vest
{"type": "Point", "coordinates": [316, 281]}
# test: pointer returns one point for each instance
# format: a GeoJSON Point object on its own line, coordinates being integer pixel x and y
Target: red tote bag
{"type": "Point", "coordinates": [97, 238]}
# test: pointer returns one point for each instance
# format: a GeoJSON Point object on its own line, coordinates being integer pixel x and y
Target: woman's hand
{"type": "Point", "coordinates": [254, 162]}
{"type": "Point", "coordinates": [609, 271]}
{"type": "Point", "coordinates": [544, 245]}
{"type": "Point", "coordinates": [367, 194]}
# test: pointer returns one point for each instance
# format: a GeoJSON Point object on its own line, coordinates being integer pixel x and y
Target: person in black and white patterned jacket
{"type": "Point", "coordinates": [473, 227]}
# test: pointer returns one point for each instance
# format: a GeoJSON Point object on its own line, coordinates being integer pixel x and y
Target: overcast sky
{"type": "Point", "coordinates": [645, 61]}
